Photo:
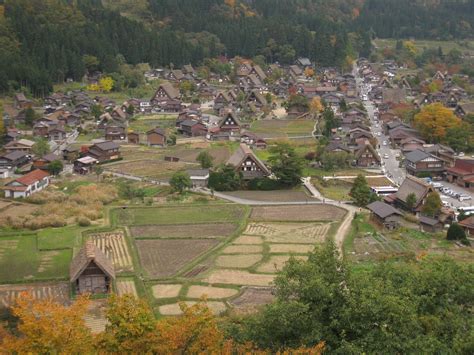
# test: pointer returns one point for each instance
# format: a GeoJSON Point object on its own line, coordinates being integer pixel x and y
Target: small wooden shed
{"type": "Point", "coordinates": [91, 271]}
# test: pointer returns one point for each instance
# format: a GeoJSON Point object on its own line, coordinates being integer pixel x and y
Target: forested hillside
{"type": "Point", "coordinates": [45, 41]}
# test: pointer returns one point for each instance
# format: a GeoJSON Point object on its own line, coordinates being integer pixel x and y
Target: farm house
{"type": "Point", "coordinates": [91, 271]}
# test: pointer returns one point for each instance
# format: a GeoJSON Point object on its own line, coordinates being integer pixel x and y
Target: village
{"type": "Point", "coordinates": [142, 233]}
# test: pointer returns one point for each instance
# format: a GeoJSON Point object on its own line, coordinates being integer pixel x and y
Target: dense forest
{"type": "Point", "coordinates": [45, 41]}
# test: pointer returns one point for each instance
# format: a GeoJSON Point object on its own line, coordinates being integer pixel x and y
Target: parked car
{"type": "Point", "coordinates": [385, 156]}
{"type": "Point", "coordinates": [463, 197]}
{"type": "Point", "coordinates": [384, 143]}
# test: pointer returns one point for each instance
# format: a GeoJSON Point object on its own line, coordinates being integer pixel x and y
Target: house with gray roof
{"type": "Point", "coordinates": [419, 162]}
{"type": "Point", "coordinates": [385, 215]}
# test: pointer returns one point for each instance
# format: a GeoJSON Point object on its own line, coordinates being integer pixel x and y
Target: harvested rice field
{"type": "Point", "coordinates": [240, 261]}
{"type": "Point", "coordinates": [290, 232]}
{"type": "Point", "coordinates": [248, 239]}
{"type": "Point", "coordinates": [215, 230]}
{"type": "Point", "coordinates": [277, 262]}
{"type": "Point", "coordinates": [243, 249]}
{"type": "Point", "coordinates": [197, 291]}
{"type": "Point", "coordinates": [114, 245]}
{"type": "Point", "coordinates": [291, 248]}
{"type": "Point", "coordinates": [252, 298]}
{"type": "Point", "coordinates": [174, 309]}
{"type": "Point", "coordinates": [297, 213]}
{"type": "Point", "coordinates": [165, 257]}
{"type": "Point", "coordinates": [166, 290]}
{"type": "Point", "coordinates": [126, 287]}
{"type": "Point", "coordinates": [237, 277]}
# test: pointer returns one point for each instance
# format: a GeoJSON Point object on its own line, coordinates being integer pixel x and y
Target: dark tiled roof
{"type": "Point", "coordinates": [382, 210]}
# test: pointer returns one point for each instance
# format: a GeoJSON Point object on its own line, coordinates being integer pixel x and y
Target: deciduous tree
{"type": "Point", "coordinates": [286, 165]}
{"type": "Point", "coordinates": [205, 159]}
{"type": "Point", "coordinates": [361, 193]}
{"type": "Point", "coordinates": [432, 205]}
{"type": "Point", "coordinates": [434, 121]}
{"type": "Point", "coordinates": [46, 327]}
{"type": "Point", "coordinates": [180, 181]}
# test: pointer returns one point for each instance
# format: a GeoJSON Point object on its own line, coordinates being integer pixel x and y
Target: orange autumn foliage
{"type": "Point", "coordinates": [434, 120]}
{"type": "Point", "coordinates": [47, 327]}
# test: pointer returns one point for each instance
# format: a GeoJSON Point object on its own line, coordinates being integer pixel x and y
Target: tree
{"type": "Point", "coordinates": [195, 332]}
{"type": "Point", "coordinates": [41, 147]}
{"type": "Point", "coordinates": [91, 63]}
{"type": "Point", "coordinates": [309, 72]}
{"type": "Point", "coordinates": [434, 121]}
{"type": "Point", "coordinates": [98, 170]}
{"type": "Point", "coordinates": [46, 327]}
{"type": "Point", "coordinates": [55, 167]}
{"type": "Point", "coordinates": [411, 201]}
{"type": "Point", "coordinates": [180, 181]}
{"type": "Point", "coordinates": [225, 178]}
{"type": "Point", "coordinates": [315, 105]}
{"type": "Point", "coordinates": [30, 116]}
{"type": "Point", "coordinates": [330, 121]}
{"type": "Point", "coordinates": [455, 232]}
{"type": "Point", "coordinates": [3, 130]}
{"type": "Point", "coordinates": [106, 84]}
{"type": "Point", "coordinates": [360, 192]}
{"type": "Point", "coordinates": [130, 110]}
{"type": "Point", "coordinates": [130, 326]}
{"type": "Point", "coordinates": [432, 205]}
{"type": "Point", "coordinates": [205, 159]}
{"type": "Point", "coordinates": [286, 165]}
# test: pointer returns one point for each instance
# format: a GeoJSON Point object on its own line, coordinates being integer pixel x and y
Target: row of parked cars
{"type": "Point", "coordinates": [449, 192]}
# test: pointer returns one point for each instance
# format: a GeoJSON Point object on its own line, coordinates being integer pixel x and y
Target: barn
{"type": "Point", "coordinates": [91, 271]}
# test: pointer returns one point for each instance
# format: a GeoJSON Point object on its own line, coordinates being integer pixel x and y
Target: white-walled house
{"type": "Point", "coordinates": [27, 185]}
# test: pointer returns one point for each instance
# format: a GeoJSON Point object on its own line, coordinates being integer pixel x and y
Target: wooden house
{"type": "Point", "coordinates": [199, 177]}
{"type": "Point", "coordinates": [104, 151]}
{"type": "Point", "coordinates": [192, 128]}
{"type": "Point", "coordinates": [419, 162]}
{"type": "Point", "coordinates": [91, 272]}
{"type": "Point", "coordinates": [411, 185]}
{"type": "Point", "coordinates": [27, 185]}
{"type": "Point", "coordinates": [468, 225]}
{"type": "Point", "coordinates": [15, 159]}
{"type": "Point", "coordinates": [115, 132]}
{"type": "Point", "coordinates": [165, 92]}
{"type": "Point", "coordinates": [247, 163]}
{"type": "Point", "coordinates": [430, 225]}
{"type": "Point", "coordinates": [156, 137]}
{"type": "Point", "coordinates": [385, 215]}
{"type": "Point", "coordinates": [22, 145]}
{"type": "Point", "coordinates": [366, 156]}
{"type": "Point", "coordinates": [70, 153]}
{"type": "Point", "coordinates": [230, 124]}
{"type": "Point", "coordinates": [21, 102]}
{"type": "Point", "coordinates": [44, 161]}
{"type": "Point", "coordinates": [462, 173]}
{"type": "Point", "coordinates": [85, 165]}
{"type": "Point", "coordinates": [134, 138]}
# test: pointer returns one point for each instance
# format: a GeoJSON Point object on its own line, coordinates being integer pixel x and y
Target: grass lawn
{"type": "Point", "coordinates": [20, 260]}
{"type": "Point", "coordinates": [282, 128]}
{"type": "Point", "coordinates": [178, 215]}
{"type": "Point", "coordinates": [333, 189]}
{"type": "Point", "coordinates": [59, 238]}
{"type": "Point", "coordinates": [145, 123]}
{"type": "Point", "coordinates": [359, 226]}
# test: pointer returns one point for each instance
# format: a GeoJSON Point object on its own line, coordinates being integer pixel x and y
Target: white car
{"type": "Point", "coordinates": [384, 143]}
{"type": "Point", "coordinates": [464, 197]}
{"type": "Point", "coordinates": [385, 156]}
{"type": "Point", "coordinates": [379, 134]}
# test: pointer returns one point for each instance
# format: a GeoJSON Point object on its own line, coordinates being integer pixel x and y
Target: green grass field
{"type": "Point", "coordinates": [21, 260]}
{"type": "Point", "coordinates": [145, 123]}
{"type": "Point", "coordinates": [282, 128]}
{"type": "Point", "coordinates": [178, 215]}
{"type": "Point", "coordinates": [59, 238]}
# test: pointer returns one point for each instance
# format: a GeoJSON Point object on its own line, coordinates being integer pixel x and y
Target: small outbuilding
{"type": "Point", "coordinates": [91, 271]}
{"type": "Point", "coordinates": [385, 215]}
{"type": "Point", "coordinates": [430, 225]}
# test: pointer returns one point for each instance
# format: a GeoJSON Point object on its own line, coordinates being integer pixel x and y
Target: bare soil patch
{"type": "Point", "coordinates": [174, 309]}
{"type": "Point", "coordinates": [166, 290]}
{"type": "Point", "coordinates": [58, 291]}
{"type": "Point", "coordinates": [114, 245]}
{"type": "Point", "coordinates": [248, 239]}
{"type": "Point", "coordinates": [18, 210]}
{"type": "Point", "coordinates": [157, 169]}
{"type": "Point", "coordinates": [95, 316]}
{"type": "Point", "coordinates": [183, 231]}
{"type": "Point", "coordinates": [165, 257]}
{"type": "Point", "coordinates": [277, 262]}
{"type": "Point", "coordinates": [237, 277]}
{"type": "Point", "coordinates": [242, 249]}
{"type": "Point", "coordinates": [297, 213]}
{"type": "Point", "coordinates": [272, 196]}
{"type": "Point", "coordinates": [252, 298]}
{"type": "Point", "coordinates": [290, 232]}
{"type": "Point", "coordinates": [238, 261]}
{"type": "Point", "coordinates": [291, 248]}
{"type": "Point", "coordinates": [197, 291]}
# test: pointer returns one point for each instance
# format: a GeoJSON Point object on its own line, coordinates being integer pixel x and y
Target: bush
{"type": "Point", "coordinates": [456, 232]}
{"type": "Point", "coordinates": [83, 221]}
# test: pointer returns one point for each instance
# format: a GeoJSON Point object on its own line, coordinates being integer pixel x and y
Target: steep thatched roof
{"type": "Point", "coordinates": [90, 253]}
